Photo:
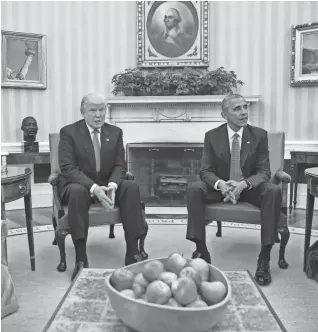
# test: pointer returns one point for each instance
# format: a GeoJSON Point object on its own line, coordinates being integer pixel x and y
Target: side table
{"type": "Point", "coordinates": [299, 157]}
{"type": "Point", "coordinates": [15, 184]}
{"type": "Point", "coordinates": [312, 192]}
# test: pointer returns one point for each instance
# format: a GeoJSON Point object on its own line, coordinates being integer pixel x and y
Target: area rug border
{"type": "Point", "coordinates": [159, 221]}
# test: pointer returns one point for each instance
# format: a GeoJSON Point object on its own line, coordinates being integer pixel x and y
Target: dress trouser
{"type": "Point", "coordinates": [127, 196]}
{"type": "Point", "coordinates": [267, 196]}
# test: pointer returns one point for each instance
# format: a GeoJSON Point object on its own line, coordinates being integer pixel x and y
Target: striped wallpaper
{"type": "Point", "coordinates": [88, 42]}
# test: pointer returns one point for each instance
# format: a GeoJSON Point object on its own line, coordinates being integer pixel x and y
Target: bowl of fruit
{"type": "Point", "coordinates": [169, 294]}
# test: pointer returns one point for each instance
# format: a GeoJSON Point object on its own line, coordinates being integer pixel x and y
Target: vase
{"type": "Point", "coordinates": [129, 91]}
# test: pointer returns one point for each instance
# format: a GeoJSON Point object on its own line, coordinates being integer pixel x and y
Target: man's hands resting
{"type": "Point", "coordinates": [231, 190]}
{"type": "Point", "coordinates": [106, 196]}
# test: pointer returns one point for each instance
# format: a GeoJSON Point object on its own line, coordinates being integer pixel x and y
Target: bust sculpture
{"type": "Point", "coordinates": [30, 128]}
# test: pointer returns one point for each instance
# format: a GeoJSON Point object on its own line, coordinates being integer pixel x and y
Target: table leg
{"type": "Point", "coordinates": [292, 172]}
{"type": "Point", "coordinates": [29, 225]}
{"type": "Point", "coordinates": [296, 185]}
{"type": "Point", "coordinates": [3, 211]}
{"type": "Point", "coordinates": [309, 216]}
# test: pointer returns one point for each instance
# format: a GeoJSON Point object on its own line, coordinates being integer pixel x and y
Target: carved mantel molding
{"type": "Point", "coordinates": [167, 108]}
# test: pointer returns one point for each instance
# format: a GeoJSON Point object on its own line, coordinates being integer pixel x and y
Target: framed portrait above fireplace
{"type": "Point", "coordinates": [172, 34]}
{"type": "Point", "coordinates": [23, 60]}
{"type": "Point", "coordinates": [304, 57]}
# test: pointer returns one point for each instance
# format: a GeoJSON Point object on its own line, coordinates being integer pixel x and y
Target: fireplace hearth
{"type": "Point", "coordinates": [163, 170]}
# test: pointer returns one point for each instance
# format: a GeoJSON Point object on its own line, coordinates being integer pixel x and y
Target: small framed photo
{"type": "Point", "coordinates": [304, 59]}
{"type": "Point", "coordinates": [172, 34]}
{"type": "Point", "coordinates": [23, 60]}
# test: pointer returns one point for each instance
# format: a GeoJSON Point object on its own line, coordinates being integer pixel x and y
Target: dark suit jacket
{"type": "Point", "coordinates": [77, 158]}
{"type": "Point", "coordinates": [254, 156]}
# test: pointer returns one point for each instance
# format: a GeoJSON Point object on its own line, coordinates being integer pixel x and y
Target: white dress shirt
{"type": "Point", "coordinates": [231, 134]}
{"type": "Point", "coordinates": [91, 131]}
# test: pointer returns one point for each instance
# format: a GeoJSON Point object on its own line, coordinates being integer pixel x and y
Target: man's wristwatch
{"type": "Point", "coordinates": [248, 184]}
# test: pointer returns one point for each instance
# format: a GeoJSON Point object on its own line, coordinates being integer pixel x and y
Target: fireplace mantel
{"type": "Point", "coordinates": [168, 118]}
{"type": "Point", "coordinates": [167, 108]}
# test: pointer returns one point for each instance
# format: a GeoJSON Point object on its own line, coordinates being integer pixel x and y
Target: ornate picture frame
{"type": "Point", "coordinates": [172, 34]}
{"type": "Point", "coordinates": [23, 60]}
{"type": "Point", "coordinates": [304, 56]}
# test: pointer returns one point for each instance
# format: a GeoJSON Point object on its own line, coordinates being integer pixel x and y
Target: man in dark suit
{"type": "Point", "coordinates": [235, 165]}
{"type": "Point", "coordinates": [92, 162]}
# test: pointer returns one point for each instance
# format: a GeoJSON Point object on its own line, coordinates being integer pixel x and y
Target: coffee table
{"type": "Point", "coordinates": [86, 307]}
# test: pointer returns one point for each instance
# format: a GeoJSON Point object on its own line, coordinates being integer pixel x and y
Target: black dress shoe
{"type": "Point", "coordinates": [263, 274]}
{"type": "Point", "coordinates": [132, 259]}
{"type": "Point", "coordinates": [78, 267]}
{"type": "Point", "coordinates": [206, 256]}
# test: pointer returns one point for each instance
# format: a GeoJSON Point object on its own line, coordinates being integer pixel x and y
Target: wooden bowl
{"type": "Point", "coordinates": [149, 317]}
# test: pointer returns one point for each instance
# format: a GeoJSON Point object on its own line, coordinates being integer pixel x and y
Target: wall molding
{"type": "Point", "coordinates": [15, 147]}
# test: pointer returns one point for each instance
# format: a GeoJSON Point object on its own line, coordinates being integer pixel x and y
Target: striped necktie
{"type": "Point", "coordinates": [235, 170]}
{"type": "Point", "coordinates": [96, 149]}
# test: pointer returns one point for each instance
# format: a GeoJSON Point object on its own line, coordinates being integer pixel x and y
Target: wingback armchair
{"type": "Point", "coordinates": [244, 212]}
{"type": "Point", "coordinates": [59, 217]}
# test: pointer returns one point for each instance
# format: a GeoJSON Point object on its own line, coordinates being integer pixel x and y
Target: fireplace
{"type": "Point", "coordinates": [162, 170]}
{"type": "Point", "coordinates": [164, 136]}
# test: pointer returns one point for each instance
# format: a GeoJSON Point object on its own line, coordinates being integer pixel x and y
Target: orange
{"type": "Point", "coordinates": [212, 292]}
{"type": "Point", "coordinates": [175, 263]}
{"type": "Point", "coordinates": [201, 266]}
{"type": "Point", "coordinates": [122, 279]}
{"type": "Point", "coordinates": [184, 290]}
{"type": "Point", "coordinates": [152, 270]}
{"type": "Point", "coordinates": [168, 277]}
{"type": "Point", "coordinates": [158, 292]}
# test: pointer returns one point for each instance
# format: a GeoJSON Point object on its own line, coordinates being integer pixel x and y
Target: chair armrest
{"type": "Point", "coordinates": [53, 179]}
{"type": "Point", "coordinates": [129, 176]}
{"type": "Point", "coordinates": [281, 176]}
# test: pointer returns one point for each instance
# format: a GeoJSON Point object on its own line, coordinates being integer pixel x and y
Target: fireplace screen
{"type": "Point", "coordinates": [163, 170]}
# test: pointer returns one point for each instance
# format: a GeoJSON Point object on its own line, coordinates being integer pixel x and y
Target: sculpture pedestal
{"type": "Point", "coordinates": [31, 146]}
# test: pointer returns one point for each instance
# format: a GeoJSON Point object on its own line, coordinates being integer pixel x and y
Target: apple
{"type": "Point", "coordinates": [173, 303]}
{"type": "Point", "coordinates": [184, 290]}
{"type": "Point", "coordinates": [140, 279]}
{"type": "Point", "coordinates": [122, 279]}
{"type": "Point", "coordinates": [138, 290]}
{"type": "Point", "coordinates": [158, 292]}
{"type": "Point", "coordinates": [197, 304]}
{"type": "Point", "coordinates": [201, 266]}
{"type": "Point", "coordinates": [190, 272]}
{"type": "Point", "coordinates": [168, 277]}
{"type": "Point", "coordinates": [212, 292]}
{"type": "Point", "coordinates": [175, 263]}
{"type": "Point", "coordinates": [152, 270]}
{"type": "Point", "coordinates": [129, 293]}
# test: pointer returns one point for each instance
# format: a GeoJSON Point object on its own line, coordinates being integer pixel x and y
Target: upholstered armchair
{"type": "Point", "coordinates": [244, 212]}
{"type": "Point", "coordinates": [59, 217]}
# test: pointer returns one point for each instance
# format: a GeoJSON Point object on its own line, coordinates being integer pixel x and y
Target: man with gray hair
{"type": "Point", "coordinates": [235, 166]}
{"type": "Point", "coordinates": [92, 163]}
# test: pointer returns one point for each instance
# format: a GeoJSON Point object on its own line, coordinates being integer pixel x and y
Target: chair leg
{"type": "Point", "coordinates": [54, 226]}
{"type": "Point", "coordinates": [142, 238]}
{"type": "Point", "coordinates": [284, 234]}
{"type": "Point", "coordinates": [60, 237]}
{"type": "Point", "coordinates": [111, 231]}
{"type": "Point", "coordinates": [219, 231]}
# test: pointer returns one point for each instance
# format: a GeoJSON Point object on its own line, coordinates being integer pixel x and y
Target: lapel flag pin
{"type": "Point", "coordinates": [107, 139]}
{"type": "Point", "coordinates": [248, 142]}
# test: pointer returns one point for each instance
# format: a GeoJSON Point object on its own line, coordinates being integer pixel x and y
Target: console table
{"type": "Point", "coordinates": [312, 192]}
{"type": "Point", "coordinates": [15, 184]}
{"type": "Point", "coordinates": [28, 158]}
{"type": "Point", "coordinates": [299, 157]}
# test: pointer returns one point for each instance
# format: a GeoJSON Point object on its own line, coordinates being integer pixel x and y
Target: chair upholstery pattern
{"type": "Point", "coordinates": [244, 212]}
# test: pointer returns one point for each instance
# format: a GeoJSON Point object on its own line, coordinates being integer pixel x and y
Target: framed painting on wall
{"type": "Point", "coordinates": [23, 60]}
{"type": "Point", "coordinates": [304, 59]}
{"type": "Point", "coordinates": [172, 34]}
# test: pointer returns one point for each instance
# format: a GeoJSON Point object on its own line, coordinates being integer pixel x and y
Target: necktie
{"type": "Point", "coordinates": [235, 170]}
{"type": "Point", "coordinates": [96, 149]}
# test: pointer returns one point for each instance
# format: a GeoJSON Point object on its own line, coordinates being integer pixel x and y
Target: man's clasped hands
{"type": "Point", "coordinates": [106, 195]}
{"type": "Point", "coordinates": [231, 190]}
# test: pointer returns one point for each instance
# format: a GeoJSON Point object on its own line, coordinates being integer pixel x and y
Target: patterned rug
{"type": "Point", "coordinates": [86, 307]}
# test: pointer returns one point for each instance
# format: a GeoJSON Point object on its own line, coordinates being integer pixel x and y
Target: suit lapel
{"type": "Point", "coordinates": [245, 146]}
{"type": "Point", "coordinates": [105, 140]}
{"type": "Point", "coordinates": [224, 145]}
{"type": "Point", "coordinates": [88, 144]}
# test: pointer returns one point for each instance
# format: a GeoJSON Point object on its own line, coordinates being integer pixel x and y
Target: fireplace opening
{"type": "Point", "coordinates": [162, 170]}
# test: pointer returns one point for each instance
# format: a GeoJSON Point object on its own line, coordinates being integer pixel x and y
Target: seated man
{"type": "Point", "coordinates": [235, 165]}
{"type": "Point", "coordinates": [92, 162]}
